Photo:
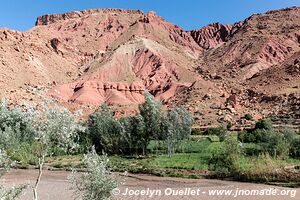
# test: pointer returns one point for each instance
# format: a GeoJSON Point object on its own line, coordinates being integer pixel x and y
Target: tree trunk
{"type": "Point", "coordinates": [41, 163]}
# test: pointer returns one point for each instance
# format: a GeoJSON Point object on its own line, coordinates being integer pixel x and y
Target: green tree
{"type": "Point", "coordinates": [152, 113]}
{"type": "Point", "coordinates": [221, 132]}
{"type": "Point", "coordinates": [134, 134]}
{"type": "Point", "coordinates": [43, 129]}
{"type": "Point", "coordinates": [176, 127]}
{"type": "Point", "coordinates": [105, 131]}
{"type": "Point", "coordinates": [295, 147]}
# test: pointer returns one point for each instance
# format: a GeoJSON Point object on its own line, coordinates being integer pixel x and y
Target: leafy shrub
{"type": "Point", "coordinates": [252, 149]}
{"type": "Point", "coordinates": [224, 158]}
{"type": "Point", "coordinates": [196, 132]}
{"type": "Point", "coordinates": [220, 132]}
{"type": "Point", "coordinates": [246, 137]}
{"type": "Point", "coordinates": [23, 154]}
{"type": "Point", "coordinates": [15, 125]}
{"type": "Point", "coordinates": [260, 134]}
{"type": "Point", "coordinates": [272, 142]}
{"type": "Point", "coordinates": [229, 125]}
{"type": "Point", "coordinates": [248, 117]}
{"type": "Point", "coordinates": [275, 144]}
{"type": "Point", "coordinates": [264, 124]}
{"type": "Point", "coordinates": [295, 147]}
{"type": "Point", "coordinates": [97, 183]}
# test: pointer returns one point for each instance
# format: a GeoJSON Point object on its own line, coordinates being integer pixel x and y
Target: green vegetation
{"type": "Point", "coordinates": [155, 141]}
{"type": "Point", "coordinates": [248, 117]}
{"type": "Point", "coordinates": [132, 135]}
{"type": "Point", "coordinates": [97, 182]}
{"type": "Point", "coordinates": [30, 134]}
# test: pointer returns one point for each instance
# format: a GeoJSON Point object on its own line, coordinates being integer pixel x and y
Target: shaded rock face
{"type": "Point", "coordinates": [213, 35]}
{"type": "Point", "coordinates": [112, 56]}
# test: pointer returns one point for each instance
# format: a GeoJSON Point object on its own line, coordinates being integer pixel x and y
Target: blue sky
{"type": "Point", "coordinates": [189, 14]}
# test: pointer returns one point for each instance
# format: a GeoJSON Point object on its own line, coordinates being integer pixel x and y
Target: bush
{"type": "Point", "coordinates": [15, 126]}
{"type": "Point", "coordinates": [295, 147]}
{"type": "Point", "coordinates": [248, 117]}
{"type": "Point", "coordinates": [252, 149]}
{"type": "Point", "coordinates": [264, 124]}
{"type": "Point", "coordinates": [97, 183]}
{"type": "Point", "coordinates": [260, 134]}
{"type": "Point", "coordinates": [246, 137]}
{"type": "Point", "coordinates": [23, 154]}
{"type": "Point", "coordinates": [274, 144]}
{"type": "Point", "coordinates": [224, 158]}
{"type": "Point", "coordinates": [220, 132]}
{"type": "Point", "coordinates": [196, 132]}
{"type": "Point", "coordinates": [229, 125]}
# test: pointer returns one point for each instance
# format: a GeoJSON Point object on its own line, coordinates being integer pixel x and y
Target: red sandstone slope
{"type": "Point", "coordinates": [261, 41]}
{"type": "Point", "coordinates": [256, 62]}
{"type": "Point", "coordinates": [214, 35]}
{"type": "Point", "coordinates": [150, 53]}
{"type": "Point", "coordinates": [219, 72]}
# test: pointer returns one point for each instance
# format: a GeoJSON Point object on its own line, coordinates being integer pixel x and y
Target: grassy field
{"type": "Point", "coordinates": [191, 161]}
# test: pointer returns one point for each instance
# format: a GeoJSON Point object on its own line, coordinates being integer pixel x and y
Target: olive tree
{"type": "Point", "coordinates": [54, 127]}
{"type": "Point", "coordinates": [97, 183]}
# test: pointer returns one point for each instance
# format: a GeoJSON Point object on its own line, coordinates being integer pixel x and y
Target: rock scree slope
{"type": "Point", "coordinates": [218, 72]}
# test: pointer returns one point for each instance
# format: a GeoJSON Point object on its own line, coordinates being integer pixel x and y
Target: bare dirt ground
{"type": "Point", "coordinates": [55, 186]}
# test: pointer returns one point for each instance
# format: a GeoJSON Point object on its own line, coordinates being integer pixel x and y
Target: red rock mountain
{"type": "Point", "coordinates": [219, 72]}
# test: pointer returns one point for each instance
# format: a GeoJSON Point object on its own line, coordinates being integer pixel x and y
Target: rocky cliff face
{"type": "Point", "coordinates": [214, 35]}
{"type": "Point", "coordinates": [54, 18]}
{"type": "Point", "coordinates": [218, 72]}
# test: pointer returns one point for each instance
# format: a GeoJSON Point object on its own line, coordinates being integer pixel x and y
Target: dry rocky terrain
{"type": "Point", "coordinates": [218, 72]}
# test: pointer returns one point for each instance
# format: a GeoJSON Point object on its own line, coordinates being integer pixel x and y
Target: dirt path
{"type": "Point", "coordinates": [54, 186]}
